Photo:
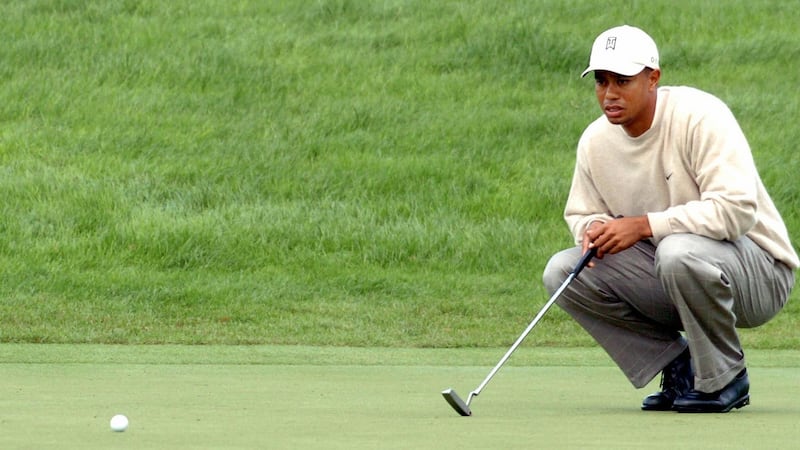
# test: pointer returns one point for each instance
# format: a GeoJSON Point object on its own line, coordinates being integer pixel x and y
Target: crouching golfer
{"type": "Point", "coordinates": [689, 244]}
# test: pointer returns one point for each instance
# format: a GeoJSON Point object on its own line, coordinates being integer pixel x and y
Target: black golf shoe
{"type": "Point", "coordinates": [735, 395]}
{"type": "Point", "coordinates": [677, 379]}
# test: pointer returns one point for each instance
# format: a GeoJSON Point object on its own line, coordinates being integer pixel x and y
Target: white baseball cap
{"type": "Point", "coordinates": [624, 50]}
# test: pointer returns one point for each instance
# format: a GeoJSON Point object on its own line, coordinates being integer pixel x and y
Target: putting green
{"type": "Point", "coordinates": [303, 397]}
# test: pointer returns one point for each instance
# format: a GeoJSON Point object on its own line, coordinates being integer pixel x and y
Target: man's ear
{"type": "Point", "coordinates": [654, 77]}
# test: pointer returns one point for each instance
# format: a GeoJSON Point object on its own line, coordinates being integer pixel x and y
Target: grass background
{"type": "Point", "coordinates": [330, 172]}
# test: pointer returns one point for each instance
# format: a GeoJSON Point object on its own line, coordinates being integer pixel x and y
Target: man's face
{"type": "Point", "coordinates": [628, 101]}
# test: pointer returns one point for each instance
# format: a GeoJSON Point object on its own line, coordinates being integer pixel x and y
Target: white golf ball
{"type": "Point", "coordinates": [119, 423]}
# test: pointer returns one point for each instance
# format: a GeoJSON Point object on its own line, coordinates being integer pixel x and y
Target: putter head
{"type": "Point", "coordinates": [455, 401]}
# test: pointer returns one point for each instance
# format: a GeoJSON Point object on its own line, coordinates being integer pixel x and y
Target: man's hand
{"type": "Point", "coordinates": [616, 235]}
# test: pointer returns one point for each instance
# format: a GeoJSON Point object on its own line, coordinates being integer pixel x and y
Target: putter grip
{"type": "Point", "coordinates": [584, 261]}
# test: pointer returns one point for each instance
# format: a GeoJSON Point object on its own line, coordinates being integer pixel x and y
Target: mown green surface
{"type": "Point", "coordinates": [223, 397]}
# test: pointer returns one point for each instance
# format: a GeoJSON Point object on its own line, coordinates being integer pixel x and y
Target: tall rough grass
{"type": "Point", "coordinates": [328, 172]}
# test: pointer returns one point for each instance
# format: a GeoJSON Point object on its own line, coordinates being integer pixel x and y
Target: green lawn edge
{"type": "Point", "coordinates": [316, 355]}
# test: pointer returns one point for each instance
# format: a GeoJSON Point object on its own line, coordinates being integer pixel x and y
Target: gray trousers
{"type": "Point", "coordinates": [645, 304]}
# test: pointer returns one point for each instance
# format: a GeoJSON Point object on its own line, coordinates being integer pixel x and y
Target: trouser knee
{"type": "Point", "coordinates": [558, 268]}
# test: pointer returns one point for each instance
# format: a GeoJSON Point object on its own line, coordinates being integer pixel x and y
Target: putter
{"type": "Point", "coordinates": [460, 405]}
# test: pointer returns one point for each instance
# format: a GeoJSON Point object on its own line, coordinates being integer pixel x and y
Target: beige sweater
{"type": "Point", "coordinates": [691, 172]}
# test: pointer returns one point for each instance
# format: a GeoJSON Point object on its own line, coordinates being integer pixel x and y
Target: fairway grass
{"type": "Point", "coordinates": [62, 396]}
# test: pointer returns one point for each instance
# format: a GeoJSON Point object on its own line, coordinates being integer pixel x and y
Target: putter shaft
{"type": "Point", "coordinates": [463, 407]}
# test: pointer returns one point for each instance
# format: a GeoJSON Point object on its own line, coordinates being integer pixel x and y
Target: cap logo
{"type": "Point", "coordinates": [611, 43]}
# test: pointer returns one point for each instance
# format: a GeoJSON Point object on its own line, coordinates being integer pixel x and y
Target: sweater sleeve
{"type": "Point", "coordinates": [717, 153]}
{"type": "Point", "coordinates": [584, 204]}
